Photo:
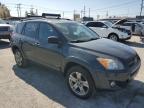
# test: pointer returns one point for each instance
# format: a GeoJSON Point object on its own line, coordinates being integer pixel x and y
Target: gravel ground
{"type": "Point", "coordinates": [39, 87]}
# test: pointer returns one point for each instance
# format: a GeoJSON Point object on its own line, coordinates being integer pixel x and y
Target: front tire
{"type": "Point", "coordinates": [19, 58]}
{"type": "Point", "coordinates": [80, 82]}
{"type": "Point", "coordinates": [113, 37]}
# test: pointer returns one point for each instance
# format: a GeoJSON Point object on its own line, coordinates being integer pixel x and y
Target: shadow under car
{"type": "Point", "coordinates": [52, 84]}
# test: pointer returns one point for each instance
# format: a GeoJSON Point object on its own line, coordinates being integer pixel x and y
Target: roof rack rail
{"type": "Point", "coordinates": [49, 15]}
{"type": "Point", "coordinates": [44, 16]}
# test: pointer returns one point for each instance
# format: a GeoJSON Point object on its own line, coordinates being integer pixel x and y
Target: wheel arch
{"type": "Point", "coordinates": [70, 62]}
{"type": "Point", "coordinates": [14, 48]}
{"type": "Point", "coordinates": [83, 65]}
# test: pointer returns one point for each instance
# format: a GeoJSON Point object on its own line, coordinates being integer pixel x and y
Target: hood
{"type": "Point", "coordinates": [107, 47]}
{"type": "Point", "coordinates": [5, 25]}
{"type": "Point", "coordinates": [119, 22]}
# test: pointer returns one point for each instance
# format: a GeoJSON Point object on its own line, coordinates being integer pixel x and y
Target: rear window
{"type": "Point", "coordinates": [19, 28]}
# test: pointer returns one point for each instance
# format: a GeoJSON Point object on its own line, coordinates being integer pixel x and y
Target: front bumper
{"type": "Point", "coordinates": [103, 79]}
{"type": "Point", "coordinates": [126, 37]}
{"type": "Point", "coordinates": [5, 35]}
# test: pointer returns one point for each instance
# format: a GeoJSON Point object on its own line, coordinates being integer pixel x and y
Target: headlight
{"type": "Point", "coordinates": [110, 64]}
{"type": "Point", "coordinates": [121, 30]}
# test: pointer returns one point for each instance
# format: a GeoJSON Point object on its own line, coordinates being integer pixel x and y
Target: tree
{"type": "Point", "coordinates": [31, 13]}
{"type": "Point", "coordinates": [4, 11]}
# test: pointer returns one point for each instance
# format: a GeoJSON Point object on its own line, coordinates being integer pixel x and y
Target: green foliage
{"type": "Point", "coordinates": [4, 11]}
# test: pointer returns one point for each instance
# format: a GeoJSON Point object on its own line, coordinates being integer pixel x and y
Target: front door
{"type": "Point", "coordinates": [47, 53]}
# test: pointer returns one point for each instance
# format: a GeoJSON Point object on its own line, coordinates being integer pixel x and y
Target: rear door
{"type": "Point", "coordinates": [29, 42]}
{"type": "Point", "coordinates": [47, 53]}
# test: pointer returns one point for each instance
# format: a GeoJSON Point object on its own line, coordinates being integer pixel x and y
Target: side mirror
{"type": "Point", "coordinates": [53, 39]}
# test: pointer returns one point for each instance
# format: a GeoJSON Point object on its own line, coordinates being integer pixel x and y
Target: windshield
{"type": "Point", "coordinates": [108, 23]}
{"type": "Point", "coordinates": [2, 21]}
{"type": "Point", "coordinates": [76, 32]}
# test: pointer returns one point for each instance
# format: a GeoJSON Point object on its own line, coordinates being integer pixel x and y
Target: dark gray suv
{"type": "Point", "coordinates": [87, 61]}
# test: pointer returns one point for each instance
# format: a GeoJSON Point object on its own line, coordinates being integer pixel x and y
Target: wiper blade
{"type": "Point", "coordinates": [77, 41]}
{"type": "Point", "coordinates": [93, 38]}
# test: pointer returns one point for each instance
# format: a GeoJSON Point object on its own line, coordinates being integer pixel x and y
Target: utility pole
{"type": "Point", "coordinates": [31, 11]}
{"type": "Point", "coordinates": [142, 6]}
{"type": "Point", "coordinates": [89, 12]}
{"type": "Point", "coordinates": [74, 14]}
{"type": "Point", "coordinates": [36, 12]}
{"type": "Point", "coordinates": [63, 14]}
{"type": "Point", "coordinates": [107, 14]}
{"type": "Point", "coordinates": [81, 14]}
{"type": "Point", "coordinates": [84, 11]}
{"type": "Point", "coordinates": [20, 9]}
{"type": "Point", "coordinates": [18, 6]}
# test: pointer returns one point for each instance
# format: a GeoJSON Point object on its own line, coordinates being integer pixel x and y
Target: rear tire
{"type": "Point", "coordinates": [80, 82]}
{"type": "Point", "coordinates": [19, 58]}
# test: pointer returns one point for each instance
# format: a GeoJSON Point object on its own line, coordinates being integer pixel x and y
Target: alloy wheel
{"type": "Point", "coordinates": [113, 37]}
{"type": "Point", "coordinates": [18, 58]}
{"type": "Point", "coordinates": [78, 83]}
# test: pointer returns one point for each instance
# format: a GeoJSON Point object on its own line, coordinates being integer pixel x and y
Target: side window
{"type": "Point", "coordinates": [90, 24]}
{"type": "Point", "coordinates": [31, 29]}
{"type": "Point", "coordinates": [19, 28]}
{"type": "Point", "coordinates": [95, 24]}
{"type": "Point", "coordinates": [45, 31]}
{"type": "Point", "coordinates": [99, 24]}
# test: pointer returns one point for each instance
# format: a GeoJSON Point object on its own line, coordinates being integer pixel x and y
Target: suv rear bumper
{"type": "Point", "coordinates": [115, 80]}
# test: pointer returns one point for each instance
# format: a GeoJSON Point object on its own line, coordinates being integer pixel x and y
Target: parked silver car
{"type": "Point", "coordinates": [135, 27]}
{"type": "Point", "coordinates": [5, 30]}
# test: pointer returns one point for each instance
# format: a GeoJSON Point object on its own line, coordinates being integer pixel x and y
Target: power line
{"type": "Point", "coordinates": [115, 6]}
{"type": "Point", "coordinates": [26, 6]}
{"type": "Point", "coordinates": [105, 8]}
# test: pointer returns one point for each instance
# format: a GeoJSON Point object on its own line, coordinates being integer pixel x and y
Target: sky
{"type": "Point", "coordinates": [102, 8]}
